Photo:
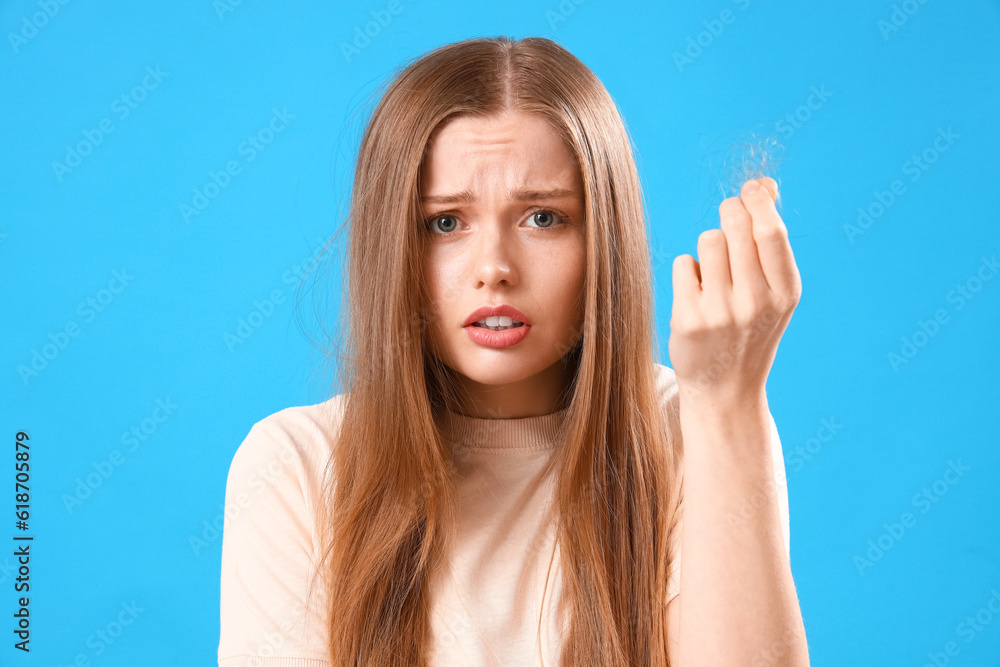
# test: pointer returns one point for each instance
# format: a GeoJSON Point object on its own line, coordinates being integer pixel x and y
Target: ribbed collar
{"type": "Point", "coordinates": [539, 432]}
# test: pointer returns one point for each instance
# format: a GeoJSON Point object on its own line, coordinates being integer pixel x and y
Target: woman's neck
{"type": "Point", "coordinates": [540, 394]}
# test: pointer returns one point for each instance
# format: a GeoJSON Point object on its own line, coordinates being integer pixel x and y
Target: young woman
{"type": "Point", "coordinates": [498, 481]}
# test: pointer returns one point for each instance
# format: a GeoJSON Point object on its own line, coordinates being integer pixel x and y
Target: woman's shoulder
{"type": "Point", "coordinates": [270, 547]}
{"type": "Point", "coordinates": [297, 440]}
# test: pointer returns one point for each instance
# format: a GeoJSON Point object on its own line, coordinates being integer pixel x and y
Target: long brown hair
{"type": "Point", "coordinates": [389, 490]}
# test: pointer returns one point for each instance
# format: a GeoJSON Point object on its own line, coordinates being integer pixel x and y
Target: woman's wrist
{"type": "Point", "coordinates": [733, 433]}
{"type": "Point", "coordinates": [719, 404]}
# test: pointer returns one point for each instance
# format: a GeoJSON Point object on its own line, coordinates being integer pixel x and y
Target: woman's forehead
{"type": "Point", "coordinates": [518, 151]}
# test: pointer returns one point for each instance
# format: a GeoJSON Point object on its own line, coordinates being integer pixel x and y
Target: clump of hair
{"type": "Point", "coordinates": [753, 158]}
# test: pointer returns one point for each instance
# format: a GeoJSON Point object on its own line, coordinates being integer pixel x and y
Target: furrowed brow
{"type": "Point", "coordinates": [467, 197]}
{"type": "Point", "coordinates": [527, 195]}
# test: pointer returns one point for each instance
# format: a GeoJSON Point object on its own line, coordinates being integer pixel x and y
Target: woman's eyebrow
{"type": "Point", "coordinates": [522, 194]}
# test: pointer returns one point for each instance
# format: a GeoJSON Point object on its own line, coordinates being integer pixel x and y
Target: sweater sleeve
{"type": "Point", "coordinates": [777, 459]}
{"type": "Point", "coordinates": [268, 618]}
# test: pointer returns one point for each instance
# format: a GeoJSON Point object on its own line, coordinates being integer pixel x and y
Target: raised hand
{"type": "Point", "coordinates": [731, 308]}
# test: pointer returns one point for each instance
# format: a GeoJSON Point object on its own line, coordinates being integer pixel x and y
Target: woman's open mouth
{"type": "Point", "coordinates": [498, 323]}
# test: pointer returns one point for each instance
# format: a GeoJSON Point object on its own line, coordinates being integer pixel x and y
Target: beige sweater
{"type": "Point", "coordinates": [485, 605]}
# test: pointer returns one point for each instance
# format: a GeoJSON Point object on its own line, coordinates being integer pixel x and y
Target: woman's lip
{"type": "Point", "coordinates": [497, 339]}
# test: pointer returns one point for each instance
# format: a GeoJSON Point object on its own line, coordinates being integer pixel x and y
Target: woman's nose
{"type": "Point", "coordinates": [495, 261]}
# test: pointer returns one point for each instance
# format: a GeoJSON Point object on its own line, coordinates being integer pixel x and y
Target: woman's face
{"type": "Point", "coordinates": [503, 207]}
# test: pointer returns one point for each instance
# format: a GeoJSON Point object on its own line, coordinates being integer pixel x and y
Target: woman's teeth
{"type": "Point", "coordinates": [498, 323]}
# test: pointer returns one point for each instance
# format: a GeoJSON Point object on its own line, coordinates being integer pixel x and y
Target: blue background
{"type": "Point", "coordinates": [885, 93]}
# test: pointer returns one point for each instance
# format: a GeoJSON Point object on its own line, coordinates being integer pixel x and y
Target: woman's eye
{"type": "Point", "coordinates": [446, 227]}
{"type": "Point", "coordinates": [443, 224]}
{"type": "Point", "coordinates": [544, 218]}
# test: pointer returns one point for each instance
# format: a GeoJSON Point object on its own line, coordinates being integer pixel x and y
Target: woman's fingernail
{"type": "Point", "coordinates": [752, 186]}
